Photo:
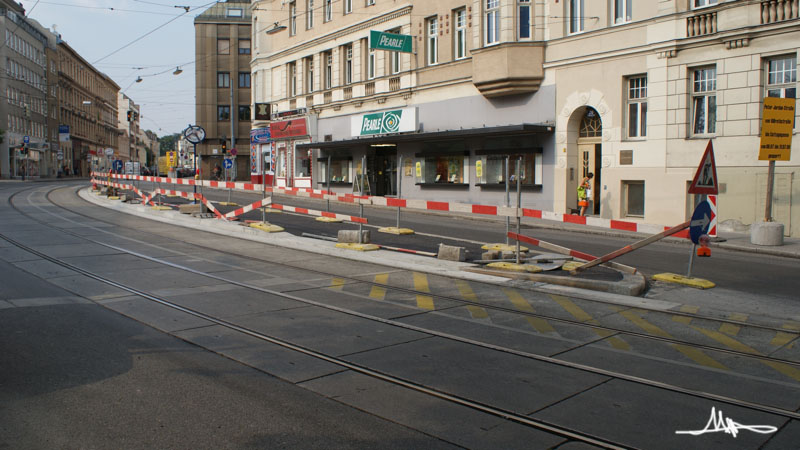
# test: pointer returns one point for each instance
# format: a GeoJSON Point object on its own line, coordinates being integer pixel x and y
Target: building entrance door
{"type": "Point", "coordinates": [590, 159]}
{"type": "Point", "coordinates": [384, 168]}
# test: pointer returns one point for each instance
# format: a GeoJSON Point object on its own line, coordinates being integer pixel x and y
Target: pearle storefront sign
{"type": "Point", "coordinates": [385, 122]}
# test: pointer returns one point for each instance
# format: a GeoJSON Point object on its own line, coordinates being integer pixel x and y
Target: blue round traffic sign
{"type": "Point", "coordinates": [227, 163]}
{"type": "Point", "coordinates": [701, 219]}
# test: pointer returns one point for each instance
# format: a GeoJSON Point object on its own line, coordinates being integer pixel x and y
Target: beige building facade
{"type": "Point", "coordinates": [223, 80]}
{"type": "Point", "coordinates": [629, 91]}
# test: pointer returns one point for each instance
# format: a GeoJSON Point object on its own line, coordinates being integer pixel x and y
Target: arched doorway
{"type": "Point", "coordinates": [590, 150]}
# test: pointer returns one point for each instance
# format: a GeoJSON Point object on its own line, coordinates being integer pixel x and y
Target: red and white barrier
{"type": "Point", "coordinates": [468, 208]}
{"type": "Point", "coordinates": [248, 208]}
{"type": "Point", "coordinates": [312, 212]}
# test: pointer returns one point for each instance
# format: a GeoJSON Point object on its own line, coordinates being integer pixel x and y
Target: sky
{"type": "Point", "coordinates": [126, 39]}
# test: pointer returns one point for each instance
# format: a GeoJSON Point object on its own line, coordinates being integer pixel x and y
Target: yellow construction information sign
{"type": "Point", "coordinates": [776, 129]}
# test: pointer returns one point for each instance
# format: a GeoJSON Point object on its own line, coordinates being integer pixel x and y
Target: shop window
{"type": "Point", "coordinates": [340, 170]}
{"type": "Point", "coordinates": [442, 170]}
{"type": "Point", "coordinates": [633, 198]}
{"type": "Point", "coordinates": [491, 170]}
{"type": "Point", "coordinates": [302, 163]}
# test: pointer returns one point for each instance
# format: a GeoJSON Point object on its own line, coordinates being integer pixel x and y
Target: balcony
{"type": "Point", "coordinates": [701, 24]}
{"type": "Point", "coordinates": [778, 10]}
{"type": "Point", "coordinates": [509, 68]}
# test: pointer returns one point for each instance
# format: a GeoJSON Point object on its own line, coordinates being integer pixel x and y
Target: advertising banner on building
{"type": "Point", "coordinates": [63, 133]}
{"type": "Point", "coordinates": [288, 128]}
{"type": "Point", "coordinates": [385, 122]}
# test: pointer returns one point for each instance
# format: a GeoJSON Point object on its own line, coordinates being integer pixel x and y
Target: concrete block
{"type": "Point", "coordinates": [490, 255]}
{"type": "Point", "coordinates": [192, 208]}
{"type": "Point", "coordinates": [511, 254]}
{"type": "Point", "coordinates": [351, 236]}
{"type": "Point", "coordinates": [452, 253]}
{"type": "Point", "coordinates": [766, 233]}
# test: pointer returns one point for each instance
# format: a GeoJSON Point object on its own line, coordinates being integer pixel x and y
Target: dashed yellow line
{"type": "Point", "coordinates": [421, 284]}
{"type": "Point", "coordinates": [468, 294]}
{"type": "Point", "coordinates": [578, 313]}
{"type": "Point", "coordinates": [786, 369]}
{"type": "Point", "coordinates": [521, 304]}
{"type": "Point", "coordinates": [692, 353]}
{"type": "Point", "coordinates": [730, 328]}
{"type": "Point", "coordinates": [337, 283]}
{"type": "Point", "coordinates": [378, 292]}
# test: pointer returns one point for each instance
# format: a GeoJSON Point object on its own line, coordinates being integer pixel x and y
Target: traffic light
{"type": "Point", "coordinates": [224, 147]}
{"type": "Point", "coordinates": [135, 115]}
{"type": "Point", "coordinates": [130, 116]}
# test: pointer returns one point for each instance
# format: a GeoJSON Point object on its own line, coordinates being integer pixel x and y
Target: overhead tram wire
{"type": "Point", "coordinates": [151, 32]}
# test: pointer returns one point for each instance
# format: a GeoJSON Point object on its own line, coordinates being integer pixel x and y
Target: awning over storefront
{"type": "Point", "coordinates": [434, 136]}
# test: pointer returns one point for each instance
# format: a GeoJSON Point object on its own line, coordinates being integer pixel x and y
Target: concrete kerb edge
{"type": "Point", "coordinates": [398, 260]}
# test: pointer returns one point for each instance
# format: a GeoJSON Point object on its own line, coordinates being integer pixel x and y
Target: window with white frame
{"type": "Point", "coordinates": [370, 2]}
{"type": "Point", "coordinates": [576, 13]}
{"type": "Point", "coordinates": [637, 107]}
{"type": "Point", "coordinates": [704, 100]}
{"type": "Point", "coordinates": [703, 3]}
{"type": "Point", "coordinates": [309, 14]}
{"type": "Point", "coordinates": [292, 18]}
{"type": "Point", "coordinates": [292, 75]}
{"type": "Point", "coordinates": [432, 40]}
{"type": "Point", "coordinates": [523, 19]}
{"type": "Point", "coordinates": [460, 34]}
{"type": "Point", "coordinates": [309, 74]}
{"type": "Point", "coordinates": [328, 11]}
{"type": "Point", "coordinates": [492, 21]}
{"type": "Point", "coordinates": [328, 58]}
{"type": "Point", "coordinates": [371, 63]}
{"type": "Point", "coordinates": [348, 6]}
{"type": "Point", "coordinates": [348, 64]}
{"type": "Point", "coordinates": [622, 11]}
{"type": "Point", "coordinates": [782, 77]}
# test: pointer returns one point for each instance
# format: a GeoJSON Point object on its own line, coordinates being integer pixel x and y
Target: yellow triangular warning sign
{"type": "Point", "coordinates": [705, 180]}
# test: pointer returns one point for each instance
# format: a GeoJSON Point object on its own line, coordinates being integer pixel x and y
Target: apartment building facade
{"type": "Point", "coordinates": [24, 87]}
{"type": "Point", "coordinates": [629, 92]}
{"type": "Point", "coordinates": [88, 112]}
{"type": "Point", "coordinates": [223, 79]}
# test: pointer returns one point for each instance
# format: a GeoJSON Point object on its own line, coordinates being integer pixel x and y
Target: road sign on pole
{"type": "Point", "coordinates": [705, 180]}
{"type": "Point", "coordinates": [701, 220]}
{"type": "Point", "coordinates": [227, 163]}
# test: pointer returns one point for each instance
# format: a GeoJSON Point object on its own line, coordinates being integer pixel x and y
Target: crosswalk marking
{"type": "Point", "coordinates": [582, 316]}
{"type": "Point", "coordinates": [692, 353]}
{"type": "Point", "coordinates": [421, 285]}
{"type": "Point", "coordinates": [378, 292]}
{"type": "Point", "coordinates": [468, 294]}
{"type": "Point", "coordinates": [786, 369]}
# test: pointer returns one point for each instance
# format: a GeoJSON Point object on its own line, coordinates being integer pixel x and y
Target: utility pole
{"type": "Point", "coordinates": [233, 125]}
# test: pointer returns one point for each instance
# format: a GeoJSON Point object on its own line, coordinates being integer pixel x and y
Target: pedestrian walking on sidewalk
{"type": "Point", "coordinates": [584, 190]}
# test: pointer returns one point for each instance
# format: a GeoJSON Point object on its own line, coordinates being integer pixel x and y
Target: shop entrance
{"type": "Point", "coordinates": [382, 168]}
{"type": "Point", "coordinates": [590, 150]}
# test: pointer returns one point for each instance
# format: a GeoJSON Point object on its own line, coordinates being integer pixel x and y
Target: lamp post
{"type": "Point", "coordinates": [195, 135]}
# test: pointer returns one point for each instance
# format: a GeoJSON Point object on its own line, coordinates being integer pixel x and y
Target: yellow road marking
{"type": "Point", "coordinates": [782, 338]}
{"type": "Point", "coordinates": [733, 329]}
{"type": "Point", "coordinates": [692, 353]}
{"type": "Point", "coordinates": [521, 304]}
{"type": "Point", "coordinates": [786, 369]}
{"type": "Point", "coordinates": [688, 309]}
{"type": "Point", "coordinates": [337, 283]}
{"type": "Point", "coordinates": [578, 313]}
{"type": "Point", "coordinates": [378, 292]}
{"type": "Point", "coordinates": [792, 326]}
{"type": "Point", "coordinates": [421, 284]}
{"type": "Point", "coordinates": [468, 294]}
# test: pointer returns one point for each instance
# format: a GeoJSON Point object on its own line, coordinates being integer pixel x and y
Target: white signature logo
{"type": "Point", "coordinates": [719, 423]}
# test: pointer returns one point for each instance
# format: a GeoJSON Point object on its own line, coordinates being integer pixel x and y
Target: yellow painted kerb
{"type": "Point", "coordinates": [395, 230]}
{"type": "Point", "coordinates": [357, 247]}
{"type": "Point", "coordinates": [515, 267]}
{"type": "Point", "coordinates": [688, 281]}
{"type": "Point", "coordinates": [504, 247]}
{"type": "Point", "coordinates": [328, 219]}
{"type": "Point", "coordinates": [268, 227]}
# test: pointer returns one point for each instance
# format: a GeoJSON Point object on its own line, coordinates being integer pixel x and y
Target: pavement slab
{"type": "Point", "coordinates": [451, 422]}
{"type": "Point", "coordinates": [236, 302]}
{"type": "Point", "coordinates": [158, 316]}
{"type": "Point", "coordinates": [484, 375]}
{"type": "Point", "coordinates": [646, 417]}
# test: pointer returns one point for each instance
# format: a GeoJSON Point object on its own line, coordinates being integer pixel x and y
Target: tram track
{"type": "Point", "coordinates": [425, 389]}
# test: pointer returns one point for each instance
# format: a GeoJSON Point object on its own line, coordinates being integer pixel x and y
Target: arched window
{"type": "Point", "coordinates": [591, 125]}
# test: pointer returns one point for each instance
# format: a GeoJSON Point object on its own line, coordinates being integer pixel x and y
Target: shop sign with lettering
{"type": "Point", "coordinates": [385, 122]}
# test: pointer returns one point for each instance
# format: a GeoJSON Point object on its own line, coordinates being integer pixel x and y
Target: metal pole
{"type": "Point", "coordinates": [361, 193]}
{"type": "Point", "coordinates": [263, 182]}
{"type": "Point", "coordinates": [228, 174]}
{"type": "Point", "coordinates": [508, 201]}
{"type": "Point", "coordinates": [399, 184]}
{"type": "Point", "coordinates": [770, 182]}
{"type": "Point", "coordinates": [519, 206]}
{"type": "Point", "coordinates": [233, 126]}
{"type": "Point", "coordinates": [691, 261]}
{"type": "Point", "coordinates": [194, 167]}
{"type": "Point", "coordinates": [328, 182]}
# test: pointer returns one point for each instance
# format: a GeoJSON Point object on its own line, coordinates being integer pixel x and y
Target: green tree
{"type": "Point", "coordinates": [169, 143]}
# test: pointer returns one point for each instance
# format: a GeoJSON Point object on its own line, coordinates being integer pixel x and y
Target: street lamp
{"type": "Point", "coordinates": [276, 28]}
{"type": "Point", "coordinates": [178, 71]}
